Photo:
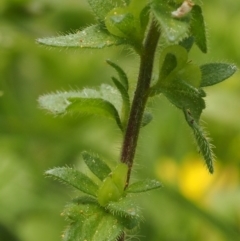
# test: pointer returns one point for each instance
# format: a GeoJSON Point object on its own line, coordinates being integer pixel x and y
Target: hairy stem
{"type": "Point", "coordinates": [140, 97]}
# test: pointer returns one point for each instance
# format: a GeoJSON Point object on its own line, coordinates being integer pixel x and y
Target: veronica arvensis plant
{"type": "Point", "coordinates": [108, 210]}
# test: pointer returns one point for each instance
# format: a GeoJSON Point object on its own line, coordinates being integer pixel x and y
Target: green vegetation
{"type": "Point", "coordinates": [171, 64]}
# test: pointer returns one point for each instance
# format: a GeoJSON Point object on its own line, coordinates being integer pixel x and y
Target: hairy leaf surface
{"type": "Point", "coordinates": [91, 37]}
{"type": "Point", "coordinates": [203, 143]}
{"type": "Point", "coordinates": [143, 186]}
{"type": "Point", "coordinates": [101, 7]}
{"type": "Point", "coordinates": [74, 178]}
{"type": "Point", "coordinates": [127, 209]}
{"type": "Point", "coordinates": [197, 27]}
{"type": "Point", "coordinates": [214, 73]}
{"type": "Point", "coordinates": [174, 30]}
{"type": "Point", "coordinates": [122, 75]}
{"type": "Point", "coordinates": [96, 165]}
{"type": "Point", "coordinates": [90, 222]}
{"type": "Point", "coordinates": [94, 106]}
{"type": "Point", "coordinates": [57, 103]}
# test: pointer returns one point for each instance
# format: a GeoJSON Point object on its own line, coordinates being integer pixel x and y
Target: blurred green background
{"type": "Point", "coordinates": [193, 205]}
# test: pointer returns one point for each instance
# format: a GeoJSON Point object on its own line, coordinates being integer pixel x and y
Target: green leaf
{"type": "Point", "coordinates": [105, 102]}
{"type": "Point", "coordinates": [122, 86]}
{"type": "Point", "coordinates": [89, 221]}
{"type": "Point", "coordinates": [91, 37]}
{"type": "Point", "coordinates": [143, 186]}
{"type": "Point", "coordinates": [169, 64]}
{"type": "Point", "coordinates": [121, 22]}
{"type": "Point", "coordinates": [203, 143]}
{"type": "Point", "coordinates": [101, 7]}
{"type": "Point", "coordinates": [125, 101]}
{"type": "Point", "coordinates": [174, 30]}
{"type": "Point", "coordinates": [129, 22]}
{"type": "Point", "coordinates": [96, 165]}
{"type": "Point", "coordinates": [147, 118]}
{"type": "Point", "coordinates": [113, 186]}
{"type": "Point", "coordinates": [184, 96]}
{"type": "Point", "coordinates": [126, 207]}
{"type": "Point", "coordinates": [214, 73]}
{"type": "Point", "coordinates": [74, 178]}
{"type": "Point", "coordinates": [144, 17]}
{"type": "Point", "coordinates": [71, 210]}
{"type": "Point", "coordinates": [94, 106]}
{"type": "Point", "coordinates": [173, 58]}
{"type": "Point", "coordinates": [197, 27]}
{"type": "Point", "coordinates": [57, 103]}
{"type": "Point", "coordinates": [191, 74]}
{"type": "Point", "coordinates": [108, 192]}
{"type": "Point", "coordinates": [119, 176]}
{"type": "Point", "coordinates": [187, 43]}
{"type": "Point", "coordinates": [179, 80]}
{"type": "Point", "coordinates": [137, 6]}
{"type": "Point", "coordinates": [122, 75]}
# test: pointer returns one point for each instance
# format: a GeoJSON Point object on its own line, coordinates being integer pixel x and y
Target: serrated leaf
{"type": "Point", "coordinates": [91, 37]}
{"type": "Point", "coordinates": [90, 222]}
{"type": "Point", "coordinates": [143, 186]}
{"type": "Point", "coordinates": [174, 30]}
{"type": "Point", "coordinates": [94, 106]}
{"type": "Point", "coordinates": [74, 178]}
{"type": "Point", "coordinates": [214, 73]}
{"type": "Point", "coordinates": [122, 75]}
{"type": "Point", "coordinates": [185, 96]}
{"type": "Point", "coordinates": [126, 208]}
{"type": "Point", "coordinates": [98, 167]}
{"type": "Point", "coordinates": [71, 210]}
{"type": "Point", "coordinates": [203, 143]}
{"type": "Point", "coordinates": [197, 27]}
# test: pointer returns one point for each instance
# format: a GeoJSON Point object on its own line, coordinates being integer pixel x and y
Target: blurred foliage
{"type": "Point", "coordinates": [192, 205]}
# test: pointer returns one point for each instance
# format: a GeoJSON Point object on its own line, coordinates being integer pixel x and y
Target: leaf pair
{"type": "Point", "coordinates": [126, 24]}
{"type": "Point", "coordinates": [119, 22]}
{"type": "Point", "coordinates": [109, 102]}
{"type": "Point", "coordinates": [105, 213]}
{"type": "Point", "coordinates": [106, 101]}
{"type": "Point", "coordinates": [102, 171]}
{"type": "Point", "coordinates": [181, 82]}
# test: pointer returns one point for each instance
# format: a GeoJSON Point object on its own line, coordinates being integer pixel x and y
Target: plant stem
{"type": "Point", "coordinates": [140, 97]}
